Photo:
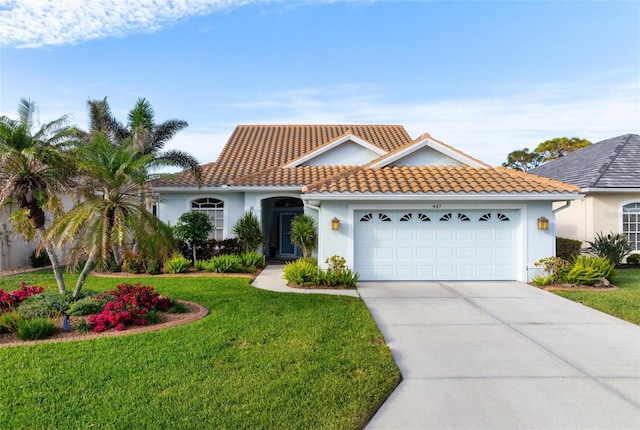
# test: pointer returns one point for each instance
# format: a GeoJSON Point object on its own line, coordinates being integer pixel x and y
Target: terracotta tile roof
{"type": "Point", "coordinates": [253, 148]}
{"type": "Point", "coordinates": [290, 176]}
{"type": "Point", "coordinates": [437, 179]}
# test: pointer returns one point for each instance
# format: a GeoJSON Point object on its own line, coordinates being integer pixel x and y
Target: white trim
{"type": "Point", "coordinates": [610, 190]}
{"type": "Point", "coordinates": [264, 188]}
{"type": "Point", "coordinates": [621, 206]}
{"type": "Point", "coordinates": [442, 196]}
{"type": "Point", "coordinates": [327, 147]}
{"type": "Point", "coordinates": [521, 230]}
{"type": "Point", "coordinates": [437, 146]}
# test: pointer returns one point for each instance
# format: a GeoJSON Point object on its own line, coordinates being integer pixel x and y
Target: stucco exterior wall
{"type": "Point", "coordinates": [533, 244]}
{"type": "Point", "coordinates": [597, 213]}
{"type": "Point", "coordinates": [173, 205]}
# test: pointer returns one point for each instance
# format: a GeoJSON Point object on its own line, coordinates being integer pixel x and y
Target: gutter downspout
{"type": "Point", "coordinates": [566, 204]}
{"type": "Point", "coordinates": [308, 205]}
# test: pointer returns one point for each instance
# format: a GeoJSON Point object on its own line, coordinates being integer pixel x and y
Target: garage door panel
{"type": "Point", "coordinates": [447, 234]}
{"type": "Point", "coordinates": [405, 253]}
{"type": "Point", "coordinates": [424, 235]}
{"type": "Point", "coordinates": [464, 253]}
{"type": "Point", "coordinates": [431, 245]}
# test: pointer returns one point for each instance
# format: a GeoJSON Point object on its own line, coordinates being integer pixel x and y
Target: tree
{"type": "Point", "coordinates": [548, 150]}
{"type": "Point", "coordinates": [35, 170]}
{"type": "Point", "coordinates": [559, 147]}
{"type": "Point", "coordinates": [248, 230]}
{"type": "Point", "coordinates": [110, 218]}
{"type": "Point", "coordinates": [148, 137]}
{"type": "Point", "coordinates": [304, 233]}
{"type": "Point", "coordinates": [193, 228]}
{"type": "Point", "coordinates": [523, 160]}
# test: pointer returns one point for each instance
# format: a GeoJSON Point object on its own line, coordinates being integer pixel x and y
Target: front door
{"type": "Point", "coordinates": [287, 248]}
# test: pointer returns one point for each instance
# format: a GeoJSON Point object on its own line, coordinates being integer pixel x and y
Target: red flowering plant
{"type": "Point", "coordinates": [127, 304]}
{"type": "Point", "coordinates": [10, 300]}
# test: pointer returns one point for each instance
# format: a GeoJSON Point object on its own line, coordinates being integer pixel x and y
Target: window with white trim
{"type": "Point", "coordinates": [631, 224]}
{"type": "Point", "coordinates": [214, 208]}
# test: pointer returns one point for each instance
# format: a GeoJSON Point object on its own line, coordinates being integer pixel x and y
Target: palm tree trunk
{"type": "Point", "coordinates": [55, 265]}
{"type": "Point", "coordinates": [85, 272]}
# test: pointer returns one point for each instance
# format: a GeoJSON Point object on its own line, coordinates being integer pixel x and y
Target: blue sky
{"type": "Point", "coordinates": [485, 77]}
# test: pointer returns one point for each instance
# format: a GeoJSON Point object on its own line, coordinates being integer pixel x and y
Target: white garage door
{"type": "Point", "coordinates": [436, 245]}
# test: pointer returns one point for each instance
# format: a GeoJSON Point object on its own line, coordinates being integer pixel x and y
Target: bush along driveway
{"type": "Point", "coordinates": [258, 360]}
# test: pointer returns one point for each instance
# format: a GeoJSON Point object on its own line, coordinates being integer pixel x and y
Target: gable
{"type": "Point", "coordinates": [426, 151]}
{"type": "Point", "coordinates": [345, 150]}
{"type": "Point", "coordinates": [426, 156]}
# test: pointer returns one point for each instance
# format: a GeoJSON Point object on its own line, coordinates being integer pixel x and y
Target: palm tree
{"type": "Point", "coordinates": [110, 219]}
{"type": "Point", "coordinates": [35, 170]}
{"type": "Point", "coordinates": [148, 137]}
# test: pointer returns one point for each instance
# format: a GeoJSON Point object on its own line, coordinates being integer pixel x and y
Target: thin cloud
{"type": "Point", "coordinates": [37, 23]}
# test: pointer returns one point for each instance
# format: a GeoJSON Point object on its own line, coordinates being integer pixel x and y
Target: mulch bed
{"type": "Point", "coordinates": [194, 313]}
{"type": "Point", "coordinates": [572, 287]}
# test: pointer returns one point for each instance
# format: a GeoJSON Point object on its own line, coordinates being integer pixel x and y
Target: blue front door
{"type": "Point", "coordinates": [287, 249]}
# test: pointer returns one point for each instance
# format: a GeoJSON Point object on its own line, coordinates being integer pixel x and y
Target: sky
{"type": "Point", "coordinates": [487, 77]}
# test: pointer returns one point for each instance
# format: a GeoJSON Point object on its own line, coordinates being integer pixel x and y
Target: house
{"type": "Point", "coordinates": [15, 252]}
{"type": "Point", "coordinates": [394, 207]}
{"type": "Point", "coordinates": [608, 174]}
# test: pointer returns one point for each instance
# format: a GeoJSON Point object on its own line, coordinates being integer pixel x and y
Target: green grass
{"type": "Point", "coordinates": [623, 303]}
{"type": "Point", "coordinates": [260, 360]}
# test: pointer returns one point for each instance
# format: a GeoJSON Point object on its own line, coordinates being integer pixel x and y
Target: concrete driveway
{"type": "Point", "coordinates": [503, 355]}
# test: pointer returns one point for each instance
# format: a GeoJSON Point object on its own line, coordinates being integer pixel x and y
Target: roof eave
{"type": "Point", "coordinates": [609, 190]}
{"type": "Point", "coordinates": [445, 196]}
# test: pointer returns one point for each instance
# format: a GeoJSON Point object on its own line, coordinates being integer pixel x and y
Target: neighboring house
{"type": "Point", "coordinates": [406, 209]}
{"type": "Point", "coordinates": [608, 174]}
{"type": "Point", "coordinates": [15, 252]}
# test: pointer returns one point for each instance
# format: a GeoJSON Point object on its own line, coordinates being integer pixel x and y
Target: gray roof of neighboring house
{"type": "Point", "coordinates": [612, 163]}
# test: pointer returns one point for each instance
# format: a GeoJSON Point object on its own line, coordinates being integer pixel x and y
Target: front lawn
{"type": "Point", "coordinates": [623, 303]}
{"type": "Point", "coordinates": [259, 360]}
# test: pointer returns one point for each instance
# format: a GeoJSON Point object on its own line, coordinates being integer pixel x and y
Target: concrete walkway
{"type": "Point", "coordinates": [271, 279]}
{"type": "Point", "coordinates": [480, 355]}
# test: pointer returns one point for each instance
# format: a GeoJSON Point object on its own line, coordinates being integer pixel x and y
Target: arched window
{"type": "Point", "coordinates": [214, 208]}
{"type": "Point", "coordinates": [631, 224]}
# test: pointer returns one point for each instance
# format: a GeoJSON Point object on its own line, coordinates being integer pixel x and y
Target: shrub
{"type": "Point", "coordinates": [301, 272]}
{"type": "Point", "coordinates": [40, 259]}
{"type": "Point", "coordinates": [82, 325]}
{"type": "Point", "coordinates": [633, 259]}
{"type": "Point", "coordinates": [554, 268]}
{"type": "Point", "coordinates": [128, 304]}
{"type": "Point", "coordinates": [133, 264]}
{"type": "Point", "coordinates": [10, 321]}
{"type": "Point", "coordinates": [177, 264]}
{"type": "Point", "coordinates": [568, 249]}
{"type": "Point", "coordinates": [614, 247]}
{"type": "Point", "coordinates": [249, 231]}
{"type": "Point", "coordinates": [251, 260]}
{"type": "Point", "coordinates": [153, 317]}
{"type": "Point", "coordinates": [225, 264]}
{"type": "Point", "coordinates": [337, 273]}
{"type": "Point", "coordinates": [304, 233]}
{"type": "Point", "coordinates": [310, 260]}
{"type": "Point", "coordinates": [200, 264]}
{"type": "Point", "coordinates": [177, 308]}
{"type": "Point", "coordinates": [14, 298]}
{"type": "Point", "coordinates": [590, 270]}
{"type": "Point", "coordinates": [47, 305]}
{"type": "Point", "coordinates": [36, 328]}
{"type": "Point", "coordinates": [153, 267]}
{"type": "Point", "coordinates": [212, 248]}
{"type": "Point", "coordinates": [87, 306]}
